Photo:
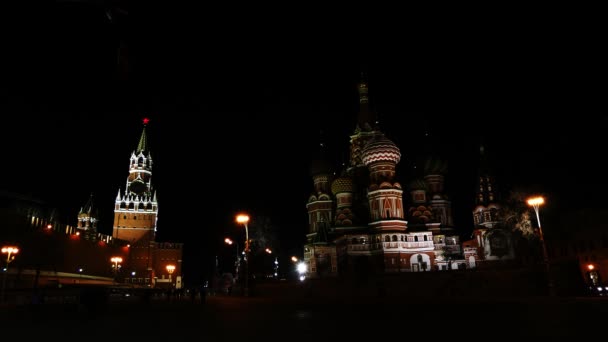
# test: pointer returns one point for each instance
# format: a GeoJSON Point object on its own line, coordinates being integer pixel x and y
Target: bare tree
{"type": "Point", "coordinates": [516, 215]}
{"type": "Point", "coordinates": [263, 234]}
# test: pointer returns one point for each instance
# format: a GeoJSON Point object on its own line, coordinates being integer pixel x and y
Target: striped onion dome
{"type": "Point", "coordinates": [418, 184]}
{"type": "Point", "coordinates": [380, 148]}
{"type": "Point", "coordinates": [342, 184]}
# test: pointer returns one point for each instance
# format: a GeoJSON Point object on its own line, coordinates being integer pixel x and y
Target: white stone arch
{"type": "Point", "coordinates": [472, 261]}
{"type": "Point", "coordinates": [420, 262]}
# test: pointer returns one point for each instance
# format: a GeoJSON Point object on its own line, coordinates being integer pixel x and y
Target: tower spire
{"type": "Point", "coordinates": [366, 120]}
{"type": "Point", "coordinates": [143, 139]}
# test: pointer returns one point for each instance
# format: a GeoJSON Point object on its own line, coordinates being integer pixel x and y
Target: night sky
{"type": "Point", "coordinates": [236, 112]}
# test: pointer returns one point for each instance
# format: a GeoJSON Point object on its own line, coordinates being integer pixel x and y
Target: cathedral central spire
{"type": "Point", "coordinates": [366, 119]}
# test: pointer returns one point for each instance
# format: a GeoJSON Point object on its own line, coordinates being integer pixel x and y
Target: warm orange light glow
{"type": "Point", "coordinates": [590, 267]}
{"type": "Point", "coordinates": [49, 226]}
{"type": "Point", "coordinates": [536, 201]}
{"type": "Point", "coordinates": [294, 259]}
{"type": "Point", "coordinates": [242, 218]}
{"type": "Point", "coordinates": [170, 268]}
{"type": "Point", "coordinates": [116, 260]}
{"type": "Point", "coordinates": [77, 233]}
{"type": "Point", "coordinates": [10, 250]}
{"type": "Point", "coordinates": [228, 241]}
{"type": "Point", "coordinates": [268, 251]}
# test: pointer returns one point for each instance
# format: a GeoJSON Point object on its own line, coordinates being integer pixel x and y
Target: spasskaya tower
{"type": "Point", "coordinates": [136, 208]}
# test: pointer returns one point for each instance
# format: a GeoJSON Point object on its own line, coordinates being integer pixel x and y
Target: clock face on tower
{"type": "Point", "coordinates": [137, 187]}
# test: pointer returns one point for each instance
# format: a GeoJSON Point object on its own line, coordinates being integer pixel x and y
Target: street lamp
{"type": "Point", "coordinates": [276, 267]}
{"type": "Point", "coordinates": [302, 268]}
{"type": "Point", "coordinates": [536, 202]}
{"type": "Point", "coordinates": [115, 265]}
{"type": "Point", "coordinates": [170, 269]}
{"type": "Point", "coordinates": [10, 252]}
{"type": "Point", "coordinates": [244, 219]}
{"type": "Point", "coordinates": [238, 257]}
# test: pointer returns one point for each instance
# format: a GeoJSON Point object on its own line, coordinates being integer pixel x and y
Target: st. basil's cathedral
{"type": "Point", "coordinates": [360, 222]}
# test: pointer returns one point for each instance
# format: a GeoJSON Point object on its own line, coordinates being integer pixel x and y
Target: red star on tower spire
{"type": "Point", "coordinates": [146, 120]}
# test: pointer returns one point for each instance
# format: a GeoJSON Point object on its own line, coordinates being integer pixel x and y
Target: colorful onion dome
{"type": "Point", "coordinates": [342, 184]}
{"type": "Point", "coordinates": [380, 148]}
{"type": "Point", "coordinates": [418, 184]}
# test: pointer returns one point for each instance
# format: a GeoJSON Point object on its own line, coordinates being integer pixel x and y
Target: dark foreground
{"type": "Point", "coordinates": [299, 317]}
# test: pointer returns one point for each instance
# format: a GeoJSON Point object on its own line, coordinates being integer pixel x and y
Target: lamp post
{"type": "Point", "coordinates": [10, 252]}
{"type": "Point", "coordinates": [115, 265]}
{"type": "Point", "coordinates": [170, 269]}
{"type": "Point", "coordinates": [536, 202]}
{"type": "Point", "coordinates": [276, 267]}
{"type": "Point", "coordinates": [238, 257]}
{"type": "Point", "coordinates": [244, 219]}
{"type": "Point", "coordinates": [302, 268]}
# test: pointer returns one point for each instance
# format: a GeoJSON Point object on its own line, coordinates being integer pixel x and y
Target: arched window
{"type": "Point", "coordinates": [402, 238]}
{"type": "Point", "coordinates": [416, 238]}
{"type": "Point", "coordinates": [425, 238]}
{"type": "Point", "coordinates": [394, 237]}
{"type": "Point", "coordinates": [140, 161]}
{"type": "Point", "coordinates": [131, 206]}
{"type": "Point", "coordinates": [387, 238]}
{"type": "Point", "coordinates": [123, 205]}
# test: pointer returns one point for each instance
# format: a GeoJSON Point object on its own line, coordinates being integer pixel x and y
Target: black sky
{"type": "Point", "coordinates": [236, 109]}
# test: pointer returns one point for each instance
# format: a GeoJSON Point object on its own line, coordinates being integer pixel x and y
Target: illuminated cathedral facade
{"type": "Point", "coordinates": [360, 222]}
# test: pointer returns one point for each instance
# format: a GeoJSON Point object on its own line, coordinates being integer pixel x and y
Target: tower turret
{"type": "Point", "coordinates": [487, 206]}
{"type": "Point", "coordinates": [381, 156]}
{"type": "Point", "coordinates": [320, 203]}
{"type": "Point", "coordinates": [87, 220]}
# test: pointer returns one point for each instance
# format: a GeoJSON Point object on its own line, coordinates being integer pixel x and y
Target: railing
{"type": "Point", "coordinates": [403, 244]}
{"type": "Point", "coordinates": [390, 245]}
